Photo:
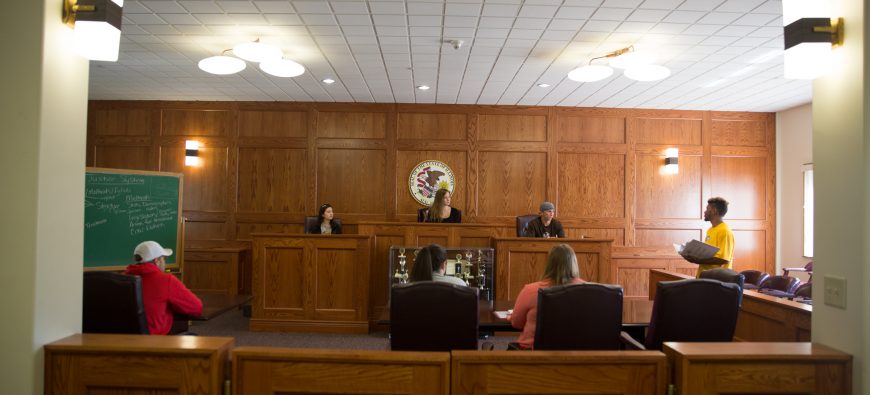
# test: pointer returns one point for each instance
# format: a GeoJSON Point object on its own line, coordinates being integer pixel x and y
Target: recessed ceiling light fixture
{"type": "Point", "coordinates": [328, 80]}
{"type": "Point", "coordinates": [637, 65]}
{"type": "Point", "coordinates": [271, 61]}
{"type": "Point", "coordinates": [423, 87]}
{"type": "Point", "coordinates": [543, 85]}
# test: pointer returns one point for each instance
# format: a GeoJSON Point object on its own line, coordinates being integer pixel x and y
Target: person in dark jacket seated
{"type": "Point", "coordinates": [546, 225]}
{"type": "Point", "coordinates": [326, 223]}
{"type": "Point", "coordinates": [162, 293]}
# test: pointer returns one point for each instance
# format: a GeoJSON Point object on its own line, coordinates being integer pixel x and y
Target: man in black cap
{"type": "Point", "coordinates": [546, 225]}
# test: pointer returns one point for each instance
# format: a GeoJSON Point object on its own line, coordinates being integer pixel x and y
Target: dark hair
{"type": "Point", "coordinates": [720, 204]}
{"type": "Point", "coordinates": [434, 213]}
{"type": "Point", "coordinates": [323, 208]}
{"type": "Point", "coordinates": [428, 260]}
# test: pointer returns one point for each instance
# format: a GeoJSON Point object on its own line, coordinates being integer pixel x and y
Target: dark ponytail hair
{"type": "Point", "coordinates": [323, 208]}
{"type": "Point", "coordinates": [428, 260]}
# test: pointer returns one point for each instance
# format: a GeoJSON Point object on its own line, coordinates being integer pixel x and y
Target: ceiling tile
{"type": "Point", "coordinates": [204, 7]}
{"type": "Point", "coordinates": [611, 14]}
{"type": "Point", "coordinates": [490, 9]}
{"type": "Point", "coordinates": [318, 19]}
{"type": "Point", "coordinates": [349, 7]}
{"type": "Point", "coordinates": [238, 7]}
{"type": "Point", "coordinates": [700, 5]}
{"type": "Point", "coordinates": [566, 24]}
{"type": "Point", "coordinates": [354, 20]}
{"type": "Point", "coordinates": [312, 7]}
{"type": "Point", "coordinates": [387, 7]}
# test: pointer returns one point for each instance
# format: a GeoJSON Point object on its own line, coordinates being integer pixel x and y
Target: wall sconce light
{"type": "Point", "coordinates": [637, 65]}
{"type": "Point", "coordinates": [191, 153]}
{"type": "Point", "coordinates": [96, 27]}
{"type": "Point", "coordinates": [671, 161]}
{"type": "Point", "coordinates": [809, 37]}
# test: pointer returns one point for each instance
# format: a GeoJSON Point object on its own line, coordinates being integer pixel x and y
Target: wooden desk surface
{"type": "Point", "coordinates": [755, 351]}
{"type": "Point", "coordinates": [159, 344]}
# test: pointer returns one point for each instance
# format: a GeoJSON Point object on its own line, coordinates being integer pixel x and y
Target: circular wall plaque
{"type": "Point", "coordinates": [427, 178]}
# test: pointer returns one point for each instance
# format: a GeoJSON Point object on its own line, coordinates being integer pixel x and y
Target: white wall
{"type": "Point", "coordinates": [43, 105]}
{"type": "Point", "coordinates": [794, 147]}
{"type": "Point", "coordinates": [842, 180]}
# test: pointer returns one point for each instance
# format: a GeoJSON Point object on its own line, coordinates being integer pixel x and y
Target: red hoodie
{"type": "Point", "coordinates": [163, 294]}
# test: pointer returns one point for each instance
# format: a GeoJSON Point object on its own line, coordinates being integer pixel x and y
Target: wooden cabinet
{"type": "Point", "coordinates": [216, 270]}
{"type": "Point", "coordinates": [310, 283]}
{"type": "Point", "coordinates": [127, 364]}
{"type": "Point", "coordinates": [759, 368]}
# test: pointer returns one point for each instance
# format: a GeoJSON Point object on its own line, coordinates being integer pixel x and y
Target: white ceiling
{"type": "Point", "coordinates": [724, 54]}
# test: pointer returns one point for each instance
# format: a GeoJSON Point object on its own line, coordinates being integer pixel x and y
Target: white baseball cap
{"type": "Point", "coordinates": [150, 250]}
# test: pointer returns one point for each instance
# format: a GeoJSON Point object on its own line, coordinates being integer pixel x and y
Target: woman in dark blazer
{"type": "Point", "coordinates": [326, 223]}
{"type": "Point", "coordinates": [440, 210]}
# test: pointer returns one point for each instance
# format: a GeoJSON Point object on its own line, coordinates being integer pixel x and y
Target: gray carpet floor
{"type": "Point", "coordinates": [234, 324]}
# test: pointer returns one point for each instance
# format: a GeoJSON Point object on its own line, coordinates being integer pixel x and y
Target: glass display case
{"type": "Point", "coordinates": [470, 264]}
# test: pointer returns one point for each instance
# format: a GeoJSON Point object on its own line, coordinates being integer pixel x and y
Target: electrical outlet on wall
{"type": "Point", "coordinates": [835, 291]}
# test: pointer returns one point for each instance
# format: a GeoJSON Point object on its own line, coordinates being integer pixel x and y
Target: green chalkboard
{"type": "Point", "coordinates": [124, 208]}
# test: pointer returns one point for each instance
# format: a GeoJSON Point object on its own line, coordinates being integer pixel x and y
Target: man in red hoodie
{"type": "Point", "coordinates": [162, 293]}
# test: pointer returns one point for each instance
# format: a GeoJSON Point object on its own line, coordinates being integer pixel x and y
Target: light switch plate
{"type": "Point", "coordinates": [835, 291]}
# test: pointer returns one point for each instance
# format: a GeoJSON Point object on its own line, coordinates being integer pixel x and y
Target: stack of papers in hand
{"type": "Point", "coordinates": [503, 314]}
{"type": "Point", "coordinates": [697, 252]}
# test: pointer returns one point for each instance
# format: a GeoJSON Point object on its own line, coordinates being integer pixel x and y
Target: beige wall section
{"type": "Point", "coordinates": [794, 147]}
{"type": "Point", "coordinates": [43, 105]}
{"type": "Point", "coordinates": [840, 156]}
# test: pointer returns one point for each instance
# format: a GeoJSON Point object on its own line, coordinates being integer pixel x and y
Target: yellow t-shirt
{"type": "Point", "coordinates": [722, 237]}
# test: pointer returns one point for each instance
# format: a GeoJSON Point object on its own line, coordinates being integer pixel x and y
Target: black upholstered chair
{"type": "Point", "coordinates": [725, 275]}
{"type": "Point", "coordinates": [804, 290]}
{"type": "Point", "coordinates": [312, 225]}
{"type": "Point", "coordinates": [112, 303]}
{"type": "Point", "coordinates": [579, 317]}
{"type": "Point", "coordinates": [808, 268]}
{"type": "Point", "coordinates": [433, 316]}
{"type": "Point", "coordinates": [523, 223]}
{"type": "Point", "coordinates": [696, 310]}
{"type": "Point", "coordinates": [780, 286]}
{"type": "Point", "coordinates": [753, 278]}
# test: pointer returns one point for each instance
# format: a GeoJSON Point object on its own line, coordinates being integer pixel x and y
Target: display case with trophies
{"type": "Point", "coordinates": [473, 265]}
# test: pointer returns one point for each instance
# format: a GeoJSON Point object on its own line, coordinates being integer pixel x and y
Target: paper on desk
{"type": "Point", "coordinates": [503, 314]}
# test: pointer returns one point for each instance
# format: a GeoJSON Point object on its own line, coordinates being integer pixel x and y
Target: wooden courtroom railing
{"type": "Point", "coordinates": [763, 318]}
{"type": "Point", "coordinates": [310, 283]}
{"type": "Point", "coordinates": [261, 370]}
{"type": "Point", "coordinates": [759, 368]}
{"type": "Point", "coordinates": [96, 363]}
{"type": "Point", "coordinates": [564, 372]}
{"type": "Point", "coordinates": [521, 260]}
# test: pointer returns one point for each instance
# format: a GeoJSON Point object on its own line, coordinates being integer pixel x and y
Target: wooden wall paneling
{"type": "Point", "coordinates": [473, 167]}
{"type": "Point", "coordinates": [205, 230]}
{"type": "Point", "coordinates": [511, 183]}
{"type": "Point", "coordinates": [352, 180]}
{"type": "Point", "coordinates": [749, 250]}
{"type": "Point", "coordinates": [284, 124]}
{"type": "Point", "coordinates": [407, 160]}
{"type": "Point", "coordinates": [205, 187]}
{"type": "Point", "coordinates": [746, 133]}
{"type": "Point", "coordinates": [336, 269]}
{"type": "Point", "coordinates": [618, 235]}
{"type": "Point", "coordinates": [668, 195]}
{"type": "Point", "coordinates": [562, 372]}
{"type": "Point", "coordinates": [391, 200]}
{"type": "Point", "coordinates": [630, 183]}
{"type": "Point", "coordinates": [591, 185]}
{"type": "Point", "coordinates": [233, 166]}
{"type": "Point", "coordinates": [245, 229]}
{"type": "Point", "coordinates": [359, 125]}
{"type": "Point", "coordinates": [770, 226]}
{"type": "Point", "coordinates": [432, 126]}
{"type": "Point", "coordinates": [665, 237]}
{"type": "Point", "coordinates": [590, 129]}
{"type": "Point", "coordinates": [208, 270]}
{"type": "Point", "coordinates": [195, 122]}
{"type": "Point", "coordinates": [269, 370]}
{"type": "Point", "coordinates": [271, 179]}
{"type": "Point", "coordinates": [743, 182]}
{"type": "Point", "coordinates": [124, 121]}
{"type": "Point", "coordinates": [281, 275]}
{"type": "Point", "coordinates": [671, 131]}
{"type": "Point", "coordinates": [503, 127]}
{"type": "Point", "coordinates": [122, 157]}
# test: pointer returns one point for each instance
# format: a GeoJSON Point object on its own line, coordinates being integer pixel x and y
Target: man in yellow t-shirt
{"type": "Point", "coordinates": [719, 234]}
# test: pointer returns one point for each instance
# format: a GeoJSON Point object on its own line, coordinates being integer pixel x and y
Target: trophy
{"type": "Point", "coordinates": [481, 272]}
{"type": "Point", "coordinates": [401, 274]}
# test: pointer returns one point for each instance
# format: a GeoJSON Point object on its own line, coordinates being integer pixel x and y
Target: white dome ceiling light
{"type": "Point", "coordinates": [637, 65]}
{"type": "Point", "coordinates": [282, 68]}
{"type": "Point", "coordinates": [222, 65]}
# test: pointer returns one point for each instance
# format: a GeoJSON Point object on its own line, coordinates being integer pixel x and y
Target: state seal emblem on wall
{"type": "Point", "coordinates": [427, 178]}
